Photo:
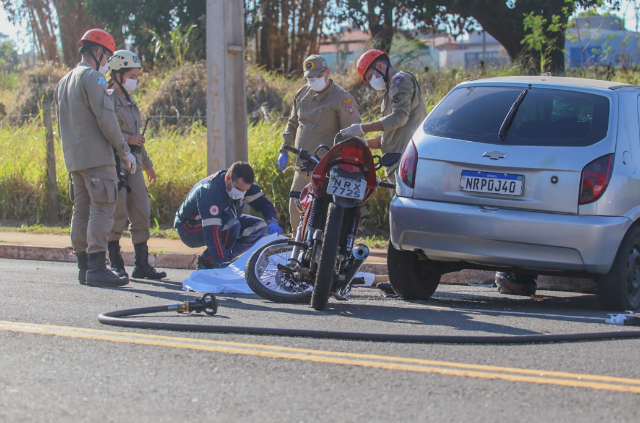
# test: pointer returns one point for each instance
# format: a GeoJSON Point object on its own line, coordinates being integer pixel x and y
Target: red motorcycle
{"type": "Point", "coordinates": [323, 258]}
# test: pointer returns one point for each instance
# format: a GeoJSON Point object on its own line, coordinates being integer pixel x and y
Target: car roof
{"type": "Point", "coordinates": [550, 81]}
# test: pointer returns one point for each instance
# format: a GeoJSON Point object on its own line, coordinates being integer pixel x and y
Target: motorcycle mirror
{"type": "Point", "coordinates": [389, 159]}
{"type": "Point", "coordinates": [319, 148]}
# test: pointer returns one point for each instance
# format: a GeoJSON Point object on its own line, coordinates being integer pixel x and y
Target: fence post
{"type": "Point", "coordinates": [52, 195]}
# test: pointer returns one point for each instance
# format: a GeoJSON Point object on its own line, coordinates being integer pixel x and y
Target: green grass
{"type": "Point", "coordinates": [37, 229]}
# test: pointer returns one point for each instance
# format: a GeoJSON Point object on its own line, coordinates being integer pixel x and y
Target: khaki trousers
{"type": "Point", "coordinates": [300, 180]}
{"type": "Point", "coordinates": [135, 207]}
{"type": "Point", "coordinates": [94, 202]}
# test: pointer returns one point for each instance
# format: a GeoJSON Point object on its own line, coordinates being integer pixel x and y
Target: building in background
{"type": "Point", "coordinates": [413, 50]}
{"type": "Point", "coordinates": [471, 53]}
{"type": "Point", "coordinates": [600, 40]}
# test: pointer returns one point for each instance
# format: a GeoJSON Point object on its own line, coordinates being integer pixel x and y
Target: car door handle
{"type": "Point", "coordinates": [486, 209]}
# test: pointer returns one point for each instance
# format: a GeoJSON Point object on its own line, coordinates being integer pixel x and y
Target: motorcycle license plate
{"type": "Point", "coordinates": [347, 187]}
{"type": "Point", "coordinates": [493, 183]}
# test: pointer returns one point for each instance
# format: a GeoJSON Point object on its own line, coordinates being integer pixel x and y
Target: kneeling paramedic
{"type": "Point", "coordinates": [212, 216]}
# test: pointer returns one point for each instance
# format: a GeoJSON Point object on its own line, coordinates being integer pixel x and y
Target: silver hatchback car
{"type": "Point", "coordinates": [523, 174]}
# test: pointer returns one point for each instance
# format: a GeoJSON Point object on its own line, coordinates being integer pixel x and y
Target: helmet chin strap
{"type": "Point", "coordinates": [126, 94]}
{"type": "Point", "coordinates": [385, 75]}
{"type": "Point", "coordinates": [96, 59]}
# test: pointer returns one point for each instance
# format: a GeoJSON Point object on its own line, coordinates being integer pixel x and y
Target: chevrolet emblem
{"type": "Point", "coordinates": [494, 155]}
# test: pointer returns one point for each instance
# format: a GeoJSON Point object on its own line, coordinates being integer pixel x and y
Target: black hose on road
{"type": "Point", "coordinates": [209, 304]}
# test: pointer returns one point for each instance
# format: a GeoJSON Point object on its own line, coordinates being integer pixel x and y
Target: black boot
{"type": "Point", "coordinates": [82, 267]}
{"type": "Point", "coordinates": [142, 268]}
{"type": "Point", "coordinates": [99, 275]}
{"type": "Point", "coordinates": [117, 262]}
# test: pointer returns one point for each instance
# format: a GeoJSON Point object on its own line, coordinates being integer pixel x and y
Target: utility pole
{"type": "Point", "coordinates": [226, 99]}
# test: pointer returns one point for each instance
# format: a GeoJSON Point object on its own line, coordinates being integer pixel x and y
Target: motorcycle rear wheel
{"type": "Point", "coordinates": [328, 256]}
{"type": "Point", "coordinates": [267, 281]}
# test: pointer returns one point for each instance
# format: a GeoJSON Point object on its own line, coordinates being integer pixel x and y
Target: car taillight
{"type": "Point", "coordinates": [595, 179]}
{"type": "Point", "coordinates": [408, 165]}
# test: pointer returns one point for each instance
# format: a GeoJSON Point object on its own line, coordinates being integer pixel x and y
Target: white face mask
{"type": "Point", "coordinates": [316, 84]}
{"type": "Point", "coordinates": [377, 83]}
{"type": "Point", "coordinates": [130, 84]}
{"type": "Point", "coordinates": [235, 193]}
{"type": "Point", "coordinates": [103, 69]}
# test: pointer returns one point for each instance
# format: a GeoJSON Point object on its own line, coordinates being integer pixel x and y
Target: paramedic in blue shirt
{"type": "Point", "coordinates": [212, 216]}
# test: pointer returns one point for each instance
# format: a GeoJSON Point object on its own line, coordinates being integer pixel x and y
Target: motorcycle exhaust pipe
{"type": "Point", "coordinates": [360, 253]}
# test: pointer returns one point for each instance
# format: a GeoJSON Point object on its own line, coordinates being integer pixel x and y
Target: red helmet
{"type": "Point", "coordinates": [101, 37]}
{"type": "Point", "coordinates": [367, 59]}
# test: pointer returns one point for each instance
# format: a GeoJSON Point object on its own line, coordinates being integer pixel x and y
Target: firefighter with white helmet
{"type": "Point", "coordinates": [133, 199]}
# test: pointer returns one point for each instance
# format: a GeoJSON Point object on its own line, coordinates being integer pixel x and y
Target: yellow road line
{"type": "Point", "coordinates": [332, 357]}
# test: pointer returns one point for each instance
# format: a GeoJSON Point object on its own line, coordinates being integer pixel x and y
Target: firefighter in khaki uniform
{"type": "Point", "coordinates": [403, 111]}
{"type": "Point", "coordinates": [403, 107]}
{"type": "Point", "coordinates": [320, 110]}
{"type": "Point", "coordinates": [89, 131]}
{"type": "Point", "coordinates": [133, 199]}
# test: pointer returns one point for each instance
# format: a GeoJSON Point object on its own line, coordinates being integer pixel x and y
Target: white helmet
{"type": "Point", "coordinates": [123, 59]}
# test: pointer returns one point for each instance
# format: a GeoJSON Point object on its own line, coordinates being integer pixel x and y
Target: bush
{"type": "Point", "coordinates": [38, 84]}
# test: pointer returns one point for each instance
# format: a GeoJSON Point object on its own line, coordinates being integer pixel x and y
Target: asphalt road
{"type": "Point", "coordinates": [58, 363]}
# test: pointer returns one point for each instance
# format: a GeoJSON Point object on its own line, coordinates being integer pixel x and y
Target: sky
{"type": "Point", "coordinates": [24, 42]}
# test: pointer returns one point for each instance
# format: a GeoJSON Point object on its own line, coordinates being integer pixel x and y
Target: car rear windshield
{"type": "Point", "coordinates": [545, 117]}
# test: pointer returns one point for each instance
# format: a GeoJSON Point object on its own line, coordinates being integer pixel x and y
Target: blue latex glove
{"type": "Point", "coordinates": [283, 161]}
{"type": "Point", "coordinates": [274, 228]}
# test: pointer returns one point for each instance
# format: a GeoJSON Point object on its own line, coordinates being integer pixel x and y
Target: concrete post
{"type": "Point", "coordinates": [226, 99]}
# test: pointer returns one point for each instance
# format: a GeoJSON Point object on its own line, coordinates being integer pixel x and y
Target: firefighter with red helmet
{"type": "Point", "coordinates": [90, 132]}
{"type": "Point", "coordinates": [403, 107]}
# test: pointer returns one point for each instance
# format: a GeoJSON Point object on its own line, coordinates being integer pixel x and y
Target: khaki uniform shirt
{"type": "Point", "coordinates": [87, 123]}
{"type": "Point", "coordinates": [316, 117]}
{"type": "Point", "coordinates": [130, 121]}
{"type": "Point", "coordinates": [403, 111]}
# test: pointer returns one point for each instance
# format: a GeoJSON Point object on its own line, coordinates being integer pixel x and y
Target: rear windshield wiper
{"type": "Point", "coordinates": [508, 120]}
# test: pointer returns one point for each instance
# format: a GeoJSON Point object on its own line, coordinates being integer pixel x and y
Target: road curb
{"type": "Point", "coordinates": [65, 254]}
{"type": "Point", "coordinates": [188, 261]}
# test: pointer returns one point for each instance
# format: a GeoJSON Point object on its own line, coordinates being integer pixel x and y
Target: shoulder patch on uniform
{"type": "Point", "coordinates": [214, 210]}
{"type": "Point", "coordinates": [350, 109]}
{"type": "Point", "coordinates": [397, 80]}
{"type": "Point", "coordinates": [346, 102]}
{"type": "Point", "coordinates": [101, 80]}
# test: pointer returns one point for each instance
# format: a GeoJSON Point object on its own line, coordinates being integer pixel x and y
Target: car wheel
{"type": "Point", "coordinates": [620, 288]}
{"type": "Point", "coordinates": [412, 278]}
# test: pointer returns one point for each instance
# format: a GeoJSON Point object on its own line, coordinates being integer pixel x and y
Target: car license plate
{"type": "Point", "coordinates": [347, 187]}
{"type": "Point", "coordinates": [492, 183]}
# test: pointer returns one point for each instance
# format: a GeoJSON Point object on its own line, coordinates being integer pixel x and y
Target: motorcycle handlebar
{"type": "Point", "coordinates": [292, 149]}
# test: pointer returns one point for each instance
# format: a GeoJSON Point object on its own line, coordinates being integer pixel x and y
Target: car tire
{"type": "Point", "coordinates": [620, 288]}
{"type": "Point", "coordinates": [411, 277]}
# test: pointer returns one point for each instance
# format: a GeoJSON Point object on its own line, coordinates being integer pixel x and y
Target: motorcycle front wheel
{"type": "Point", "coordinates": [267, 281]}
{"type": "Point", "coordinates": [328, 257]}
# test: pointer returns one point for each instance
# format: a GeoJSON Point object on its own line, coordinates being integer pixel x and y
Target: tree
{"type": "Point", "coordinates": [285, 31]}
{"type": "Point", "coordinates": [38, 14]}
{"type": "Point", "coordinates": [8, 53]}
{"type": "Point", "coordinates": [505, 21]}
{"type": "Point", "coordinates": [140, 20]}
{"type": "Point", "coordinates": [384, 17]}
{"type": "Point", "coordinates": [73, 21]}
